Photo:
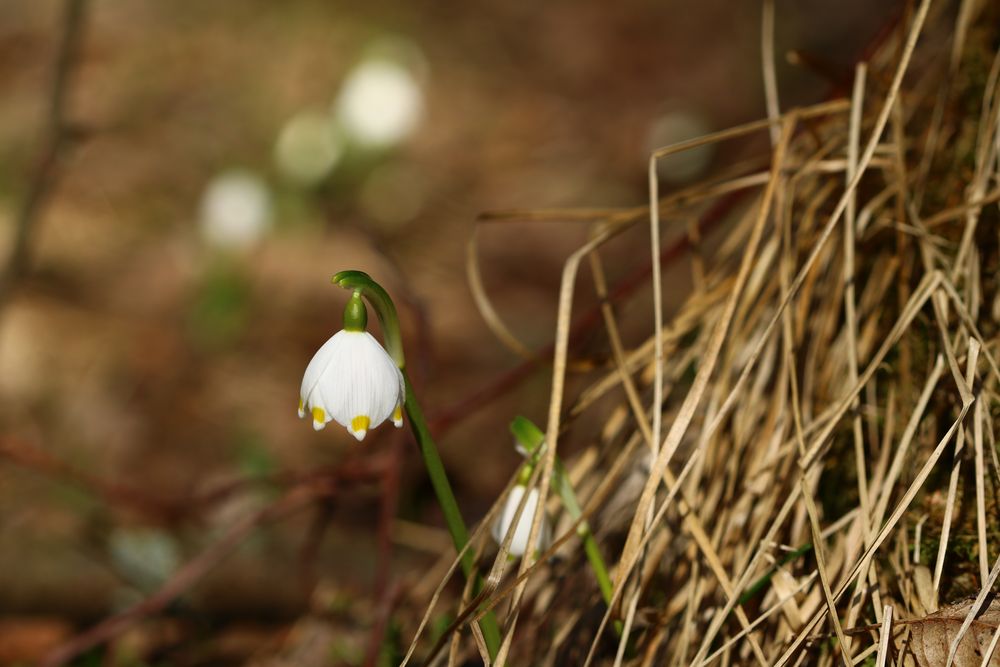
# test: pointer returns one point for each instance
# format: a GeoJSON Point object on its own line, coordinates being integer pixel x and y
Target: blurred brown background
{"type": "Point", "coordinates": [219, 173]}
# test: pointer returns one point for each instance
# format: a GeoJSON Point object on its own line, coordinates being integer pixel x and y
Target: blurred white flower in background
{"type": "Point", "coordinates": [672, 127]}
{"type": "Point", "coordinates": [236, 210]}
{"type": "Point", "coordinates": [308, 148]}
{"type": "Point", "coordinates": [380, 103]}
{"type": "Point", "coordinates": [519, 543]}
{"type": "Point", "coordinates": [146, 556]}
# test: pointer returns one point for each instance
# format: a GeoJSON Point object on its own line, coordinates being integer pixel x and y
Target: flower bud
{"type": "Point", "coordinates": [519, 543]}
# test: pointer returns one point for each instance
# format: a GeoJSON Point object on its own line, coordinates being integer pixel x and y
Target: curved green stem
{"type": "Point", "coordinates": [439, 480]}
{"type": "Point", "coordinates": [385, 309]}
{"type": "Point", "coordinates": [389, 321]}
{"type": "Point", "coordinates": [531, 438]}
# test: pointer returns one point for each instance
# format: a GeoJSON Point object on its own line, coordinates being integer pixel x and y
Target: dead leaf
{"type": "Point", "coordinates": [931, 636]}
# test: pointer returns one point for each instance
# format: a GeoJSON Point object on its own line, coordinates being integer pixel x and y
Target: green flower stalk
{"type": "Point", "coordinates": [359, 387]}
{"type": "Point", "coordinates": [530, 442]}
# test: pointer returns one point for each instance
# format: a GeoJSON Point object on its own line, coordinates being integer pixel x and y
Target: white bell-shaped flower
{"type": "Point", "coordinates": [352, 380]}
{"type": "Point", "coordinates": [519, 543]}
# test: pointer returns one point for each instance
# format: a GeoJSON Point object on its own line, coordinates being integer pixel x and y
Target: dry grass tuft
{"type": "Point", "coordinates": [812, 468]}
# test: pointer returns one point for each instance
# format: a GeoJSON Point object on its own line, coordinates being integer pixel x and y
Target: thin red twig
{"type": "Point", "coordinates": [508, 380]}
{"type": "Point", "coordinates": [186, 576]}
{"type": "Point", "coordinates": [384, 591]}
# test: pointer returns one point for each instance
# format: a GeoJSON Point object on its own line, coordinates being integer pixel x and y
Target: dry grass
{"type": "Point", "coordinates": [827, 392]}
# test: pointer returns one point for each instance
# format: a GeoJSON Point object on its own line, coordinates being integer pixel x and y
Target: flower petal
{"type": "Point", "coordinates": [318, 365]}
{"type": "Point", "coordinates": [359, 427]}
{"type": "Point", "coordinates": [319, 418]}
{"type": "Point", "coordinates": [519, 543]}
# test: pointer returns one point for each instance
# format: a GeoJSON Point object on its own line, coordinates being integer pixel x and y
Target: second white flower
{"type": "Point", "coordinates": [519, 543]}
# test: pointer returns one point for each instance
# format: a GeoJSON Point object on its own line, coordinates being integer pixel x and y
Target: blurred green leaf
{"type": "Point", "coordinates": [253, 458]}
{"type": "Point", "coordinates": [391, 651]}
{"type": "Point", "coordinates": [219, 311]}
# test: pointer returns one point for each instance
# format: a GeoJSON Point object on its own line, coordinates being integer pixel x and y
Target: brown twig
{"type": "Point", "coordinates": [170, 509]}
{"type": "Point", "coordinates": [383, 592]}
{"type": "Point", "coordinates": [591, 318]}
{"type": "Point", "coordinates": [186, 576]}
{"type": "Point", "coordinates": [57, 136]}
{"type": "Point", "coordinates": [114, 493]}
{"type": "Point", "coordinates": [383, 611]}
{"type": "Point", "coordinates": [311, 545]}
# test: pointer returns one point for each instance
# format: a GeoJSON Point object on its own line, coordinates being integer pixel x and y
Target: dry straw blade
{"type": "Point", "coordinates": [830, 381]}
